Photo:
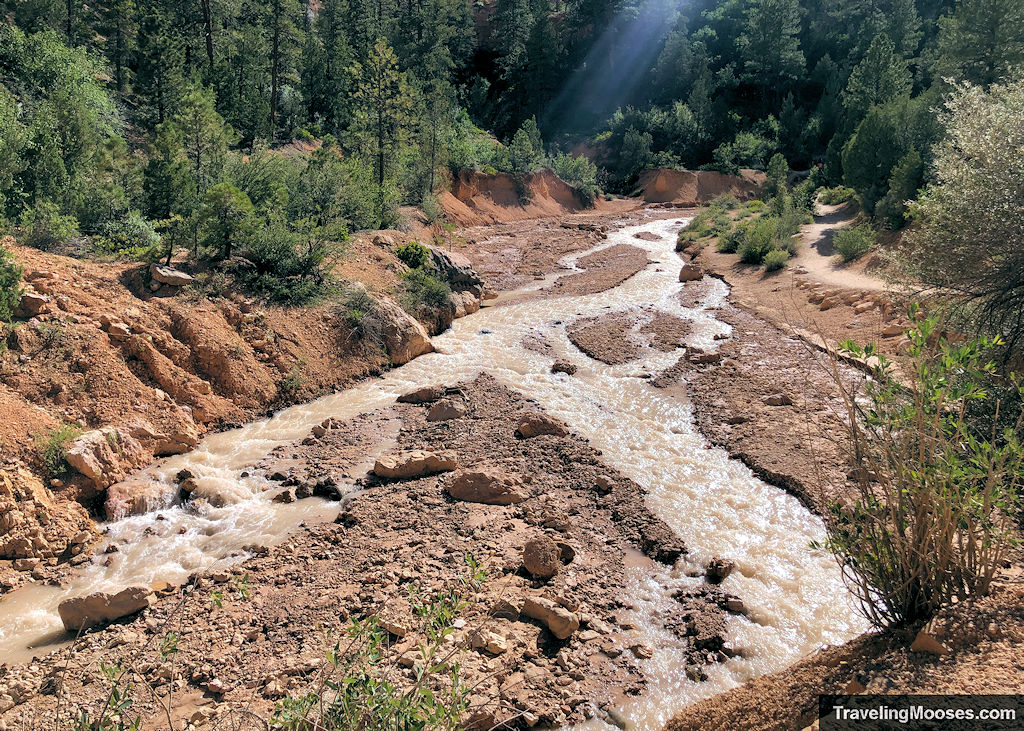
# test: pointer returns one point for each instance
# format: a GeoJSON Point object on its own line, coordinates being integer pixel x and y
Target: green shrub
{"type": "Point", "coordinates": [131, 237]}
{"type": "Point", "coordinates": [578, 172]}
{"type": "Point", "coordinates": [758, 240]}
{"type": "Point", "coordinates": [835, 196]}
{"type": "Point", "coordinates": [755, 205]}
{"type": "Point", "coordinates": [930, 519]}
{"type": "Point", "coordinates": [709, 222]}
{"type": "Point", "coordinates": [52, 446]}
{"type": "Point", "coordinates": [725, 201]}
{"type": "Point", "coordinates": [421, 288]}
{"type": "Point", "coordinates": [729, 242]}
{"type": "Point", "coordinates": [44, 227]}
{"type": "Point", "coordinates": [804, 193]}
{"type": "Point", "coordinates": [414, 254]}
{"type": "Point", "coordinates": [432, 210]}
{"type": "Point", "coordinates": [853, 242]}
{"type": "Point", "coordinates": [10, 284]}
{"type": "Point", "coordinates": [285, 265]}
{"type": "Point", "coordinates": [775, 259]}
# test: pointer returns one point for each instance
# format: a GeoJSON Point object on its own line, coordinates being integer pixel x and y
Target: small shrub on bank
{"type": "Point", "coordinates": [414, 254]}
{"type": "Point", "coordinates": [45, 228]}
{"type": "Point", "coordinates": [52, 445]}
{"type": "Point", "coordinates": [775, 260]}
{"type": "Point", "coordinates": [10, 284]}
{"type": "Point", "coordinates": [758, 240]}
{"type": "Point", "coordinates": [420, 288]}
{"type": "Point", "coordinates": [931, 517]}
{"type": "Point", "coordinates": [853, 242]}
{"type": "Point", "coordinates": [729, 242]}
{"type": "Point", "coordinates": [755, 206]}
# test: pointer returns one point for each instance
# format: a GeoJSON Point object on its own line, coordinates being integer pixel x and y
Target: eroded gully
{"type": "Point", "coordinates": [795, 597]}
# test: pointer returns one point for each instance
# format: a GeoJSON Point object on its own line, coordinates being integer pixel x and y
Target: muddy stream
{"type": "Point", "coordinates": [795, 598]}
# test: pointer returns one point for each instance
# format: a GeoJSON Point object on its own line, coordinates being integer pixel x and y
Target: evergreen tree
{"type": "Point", "coordinates": [205, 136]}
{"type": "Point", "coordinates": [982, 41]}
{"type": "Point", "coordinates": [384, 108]}
{"type": "Point", "coordinates": [770, 46]}
{"type": "Point", "coordinates": [881, 77]}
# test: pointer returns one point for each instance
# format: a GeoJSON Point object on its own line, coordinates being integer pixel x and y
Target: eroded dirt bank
{"type": "Point", "coordinates": [397, 533]}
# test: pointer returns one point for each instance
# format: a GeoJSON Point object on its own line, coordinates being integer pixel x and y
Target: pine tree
{"type": "Point", "coordinates": [205, 136]}
{"type": "Point", "coordinates": [982, 41]}
{"type": "Point", "coordinates": [881, 77]}
{"type": "Point", "coordinates": [770, 46]}
{"type": "Point", "coordinates": [384, 108]}
{"type": "Point", "coordinates": [161, 57]}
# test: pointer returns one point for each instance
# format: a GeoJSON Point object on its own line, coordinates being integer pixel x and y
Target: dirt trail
{"type": "Point", "coordinates": [817, 255]}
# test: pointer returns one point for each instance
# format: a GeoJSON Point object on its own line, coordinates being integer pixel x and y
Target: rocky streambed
{"type": "Point", "coordinates": [632, 569]}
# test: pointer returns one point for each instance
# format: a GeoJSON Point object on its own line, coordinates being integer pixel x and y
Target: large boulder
{"type": "Point", "coordinates": [691, 272]}
{"type": "Point", "coordinates": [168, 275]}
{"type": "Point", "coordinates": [456, 268]}
{"type": "Point", "coordinates": [106, 455]}
{"type": "Point", "coordinates": [35, 524]}
{"type": "Point", "coordinates": [488, 485]}
{"type": "Point", "coordinates": [403, 336]}
{"type": "Point", "coordinates": [31, 304]}
{"type": "Point", "coordinates": [422, 395]}
{"type": "Point", "coordinates": [542, 557]}
{"type": "Point", "coordinates": [85, 612]}
{"type": "Point", "coordinates": [414, 463]}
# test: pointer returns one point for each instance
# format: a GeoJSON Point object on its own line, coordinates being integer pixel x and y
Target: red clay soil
{"type": "Point", "coordinates": [478, 199]}
{"type": "Point", "coordinates": [688, 188]}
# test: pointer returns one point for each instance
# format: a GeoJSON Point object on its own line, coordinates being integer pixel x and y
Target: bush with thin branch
{"type": "Point", "coordinates": [930, 519]}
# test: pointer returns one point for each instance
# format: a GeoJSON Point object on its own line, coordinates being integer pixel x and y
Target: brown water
{"type": "Point", "coordinates": [795, 597]}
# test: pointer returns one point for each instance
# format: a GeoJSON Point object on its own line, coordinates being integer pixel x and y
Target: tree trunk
{"type": "Point", "coordinates": [275, 69]}
{"type": "Point", "coordinates": [208, 27]}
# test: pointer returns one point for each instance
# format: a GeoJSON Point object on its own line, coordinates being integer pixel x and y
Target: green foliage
{"type": "Point", "coordinates": [423, 289]}
{"type": "Point", "coordinates": [360, 689]}
{"type": "Point", "coordinates": [758, 239]}
{"type": "Point", "coordinates": [131, 237]}
{"type": "Point", "coordinates": [289, 264]}
{"type": "Point", "coordinates": [711, 221]}
{"type": "Point", "coordinates": [225, 219]}
{"type": "Point", "coordinates": [967, 241]}
{"type": "Point", "coordinates": [931, 516]}
{"type": "Point", "coordinates": [414, 254]}
{"type": "Point", "coordinates": [579, 173]}
{"type": "Point", "coordinates": [835, 196]}
{"type": "Point", "coordinates": [729, 241]}
{"type": "Point", "coordinates": [44, 227]}
{"type": "Point", "coordinates": [10, 284]}
{"type": "Point", "coordinates": [906, 178]}
{"type": "Point", "coordinates": [775, 259]}
{"type": "Point", "coordinates": [853, 242]}
{"type": "Point", "coordinates": [51, 447]}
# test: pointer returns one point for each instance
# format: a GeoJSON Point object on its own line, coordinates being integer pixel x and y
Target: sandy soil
{"type": "Point", "coordinates": [622, 336]}
{"type": "Point", "coordinates": [247, 653]}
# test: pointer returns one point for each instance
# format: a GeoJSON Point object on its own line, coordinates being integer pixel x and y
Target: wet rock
{"type": "Point", "coordinates": [489, 485]}
{"type": "Point", "coordinates": [106, 455]}
{"type": "Point", "coordinates": [699, 357]}
{"type": "Point", "coordinates": [414, 463]}
{"type": "Point", "coordinates": [285, 496]}
{"type": "Point", "coordinates": [536, 424]}
{"type": "Point", "coordinates": [563, 366]}
{"type": "Point", "coordinates": [422, 395]}
{"type": "Point", "coordinates": [169, 275]}
{"type": "Point", "coordinates": [691, 272]}
{"type": "Point", "coordinates": [91, 610]}
{"type": "Point", "coordinates": [559, 620]}
{"type": "Point", "coordinates": [140, 495]}
{"type": "Point", "coordinates": [402, 336]}
{"type": "Point", "coordinates": [542, 557]}
{"type": "Point", "coordinates": [719, 568]}
{"type": "Point", "coordinates": [446, 410]}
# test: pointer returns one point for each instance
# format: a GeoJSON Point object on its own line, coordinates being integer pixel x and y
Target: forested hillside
{"type": "Point", "coordinates": [148, 126]}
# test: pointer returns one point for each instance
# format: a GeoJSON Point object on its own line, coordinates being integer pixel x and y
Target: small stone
{"type": "Point", "coordinates": [718, 569]}
{"type": "Point", "coordinates": [690, 272]}
{"type": "Point", "coordinates": [422, 395]}
{"type": "Point", "coordinates": [854, 687]}
{"type": "Point", "coordinates": [563, 366]}
{"type": "Point", "coordinates": [925, 642]}
{"type": "Point", "coordinates": [777, 399]}
{"type": "Point", "coordinates": [536, 424]}
{"type": "Point", "coordinates": [446, 410]}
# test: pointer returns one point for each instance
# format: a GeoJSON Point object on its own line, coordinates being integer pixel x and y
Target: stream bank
{"type": "Point", "coordinates": [787, 597]}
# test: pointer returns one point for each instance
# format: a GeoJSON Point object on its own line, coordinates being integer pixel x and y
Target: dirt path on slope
{"type": "Point", "coordinates": [817, 255]}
